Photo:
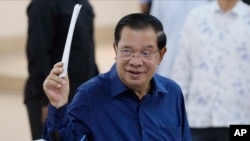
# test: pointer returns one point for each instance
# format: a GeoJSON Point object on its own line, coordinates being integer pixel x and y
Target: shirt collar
{"type": "Point", "coordinates": [117, 87]}
{"type": "Point", "coordinates": [159, 87]}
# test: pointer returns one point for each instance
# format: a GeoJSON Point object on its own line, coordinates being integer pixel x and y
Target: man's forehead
{"type": "Point", "coordinates": [138, 28]}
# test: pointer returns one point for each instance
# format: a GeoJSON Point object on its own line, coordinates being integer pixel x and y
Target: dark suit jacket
{"type": "Point", "coordinates": [48, 24]}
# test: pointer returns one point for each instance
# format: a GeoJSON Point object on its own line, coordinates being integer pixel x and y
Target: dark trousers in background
{"type": "Point", "coordinates": [34, 110]}
{"type": "Point", "coordinates": [210, 134]}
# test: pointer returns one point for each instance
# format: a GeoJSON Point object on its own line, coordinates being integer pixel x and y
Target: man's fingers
{"type": "Point", "coordinates": [58, 64]}
{"type": "Point", "coordinates": [57, 70]}
{"type": "Point", "coordinates": [54, 81]}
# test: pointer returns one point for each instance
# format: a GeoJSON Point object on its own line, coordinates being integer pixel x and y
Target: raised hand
{"type": "Point", "coordinates": [55, 87]}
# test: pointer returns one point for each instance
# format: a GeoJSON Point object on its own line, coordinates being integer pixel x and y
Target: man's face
{"type": "Point", "coordinates": [137, 57]}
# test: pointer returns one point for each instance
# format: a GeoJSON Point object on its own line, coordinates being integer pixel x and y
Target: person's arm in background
{"type": "Point", "coordinates": [145, 6]}
{"type": "Point", "coordinates": [41, 31]}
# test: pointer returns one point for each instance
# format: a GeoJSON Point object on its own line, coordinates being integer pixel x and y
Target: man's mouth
{"type": "Point", "coordinates": [134, 72]}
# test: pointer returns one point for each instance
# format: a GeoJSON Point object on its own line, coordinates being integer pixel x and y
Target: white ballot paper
{"type": "Point", "coordinates": [65, 58]}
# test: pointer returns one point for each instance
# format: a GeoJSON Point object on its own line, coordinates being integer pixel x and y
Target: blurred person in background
{"type": "Point", "coordinates": [48, 24]}
{"type": "Point", "coordinates": [172, 14]}
{"type": "Point", "coordinates": [212, 67]}
{"type": "Point", "coordinates": [145, 6]}
{"type": "Point", "coordinates": [247, 1]}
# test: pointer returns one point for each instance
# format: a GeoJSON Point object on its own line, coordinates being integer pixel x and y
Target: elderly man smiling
{"type": "Point", "coordinates": [128, 103]}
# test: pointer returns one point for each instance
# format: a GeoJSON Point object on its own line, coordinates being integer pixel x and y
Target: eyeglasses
{"type": "Point", "coordinates": [128, 53]}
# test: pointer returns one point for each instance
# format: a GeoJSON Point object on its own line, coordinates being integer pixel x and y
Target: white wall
{"type": "Point", "coordinates": [13, 19]}
{"type": "Point", "coordinates": [108, 12]}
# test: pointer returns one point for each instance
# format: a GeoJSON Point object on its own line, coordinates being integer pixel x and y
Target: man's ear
{"type": "Point", "coordinates": [162, 53]}
{"type": "Point", "coordinates": [115, 49]}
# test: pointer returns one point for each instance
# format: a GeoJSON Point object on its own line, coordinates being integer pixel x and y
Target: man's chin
{"type": "Point", "coordinates": [134, 82]}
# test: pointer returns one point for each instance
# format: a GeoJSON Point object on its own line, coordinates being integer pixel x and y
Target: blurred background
{"type": "Point", "coordinates": [13, 66]}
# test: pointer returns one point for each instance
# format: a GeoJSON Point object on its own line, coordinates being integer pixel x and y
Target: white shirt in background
{"type": "Point", "coordinates": [213, 65]}
{"type": "Point", "coordinates": [172, 14]}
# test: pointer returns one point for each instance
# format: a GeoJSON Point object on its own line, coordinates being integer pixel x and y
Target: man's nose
{"type": "Point", "coordinates": [136, 60]}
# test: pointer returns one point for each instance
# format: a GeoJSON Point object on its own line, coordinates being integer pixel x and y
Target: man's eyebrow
{"type": "Point", "coordinates": [149, 47]}
{"type": "Point", "coordinates": [126, 47]}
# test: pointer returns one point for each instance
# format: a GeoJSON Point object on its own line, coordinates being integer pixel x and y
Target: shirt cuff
{"type": "Point", "coordinates": [57, 117]}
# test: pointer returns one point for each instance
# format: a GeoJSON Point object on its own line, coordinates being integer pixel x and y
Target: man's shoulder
{"type": "Point", "coordinates": [166, 82]}
{"type": "Point", "coordinates": [97, 82]}
{"type": "Point", "coordinates": [168, 87]}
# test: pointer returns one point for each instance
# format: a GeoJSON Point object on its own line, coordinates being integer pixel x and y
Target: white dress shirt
{"type": "Point", "coordinates": [213, 65]}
